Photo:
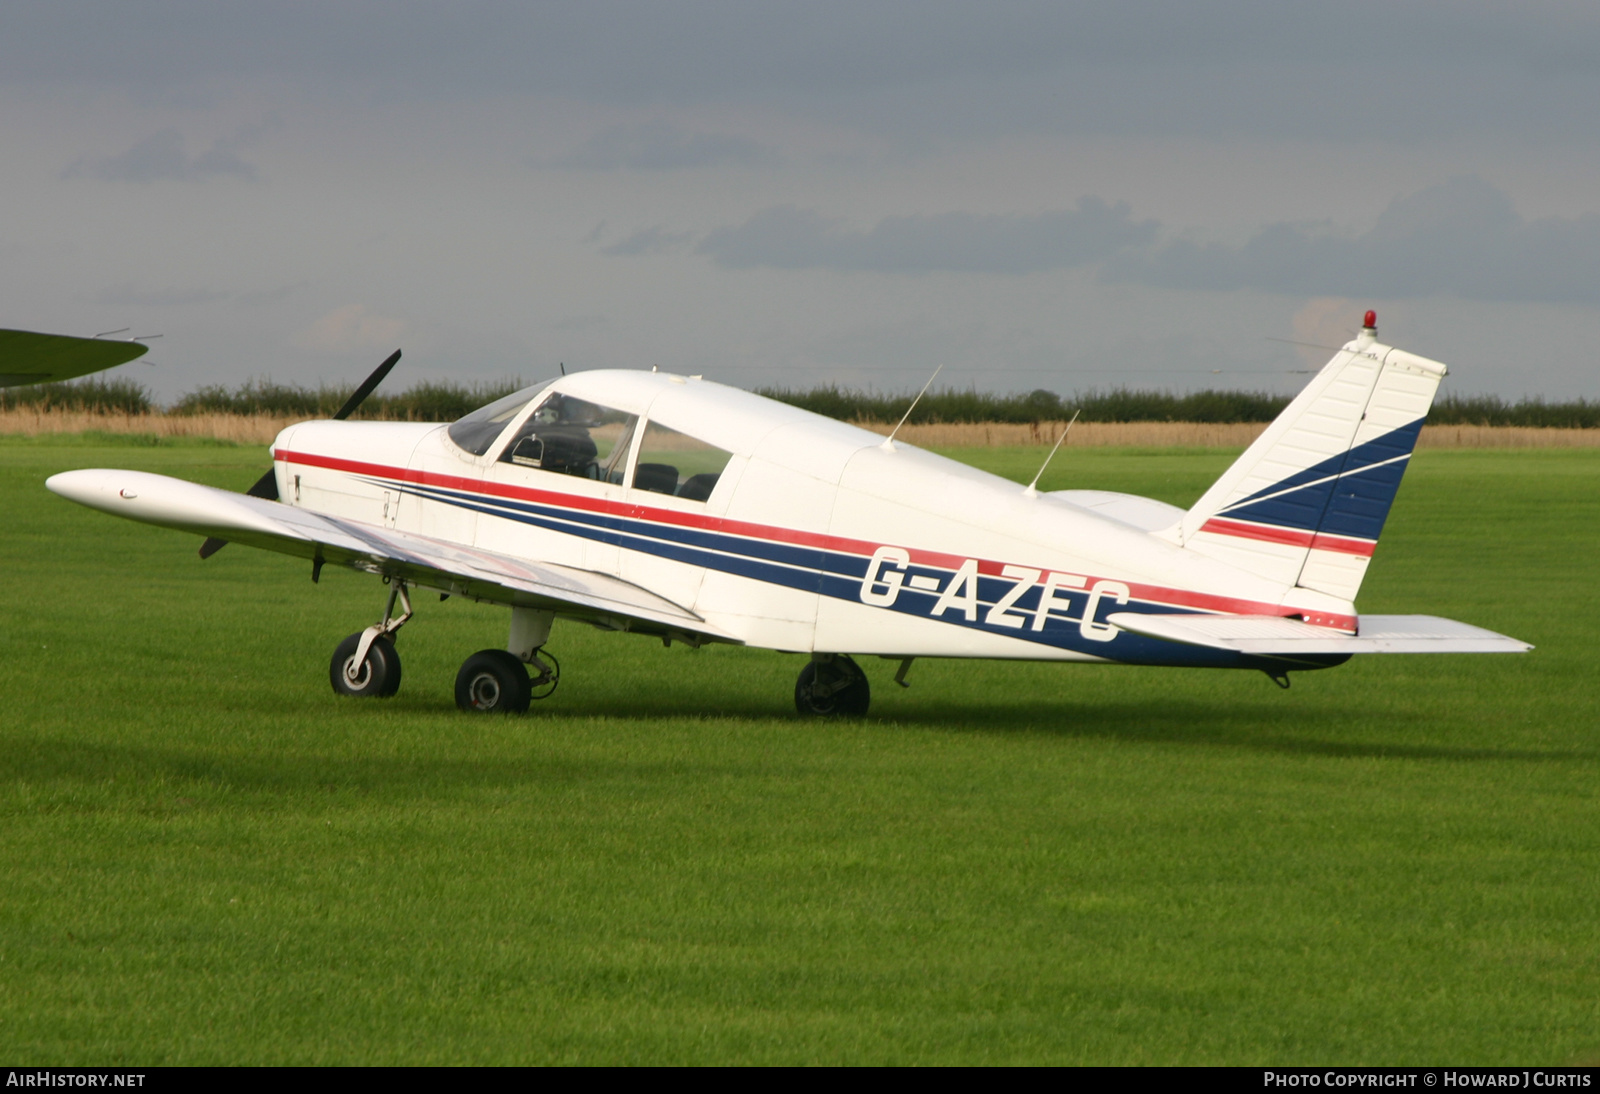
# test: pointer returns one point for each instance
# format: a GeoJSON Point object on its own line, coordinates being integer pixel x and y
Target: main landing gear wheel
{"type": "Point", "coordinates": [378, 675]}
{"type": "Point", "coordinates": [493, 682]}
{"type": "Point", "coordinates": [832, 686]}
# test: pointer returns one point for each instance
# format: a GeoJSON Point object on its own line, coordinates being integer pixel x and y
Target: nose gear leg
{"type": "Point", "coordinates": [388, 626]}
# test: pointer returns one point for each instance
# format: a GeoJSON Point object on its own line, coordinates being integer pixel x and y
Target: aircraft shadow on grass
{"type": "Point", "coordinates": [42, 760]}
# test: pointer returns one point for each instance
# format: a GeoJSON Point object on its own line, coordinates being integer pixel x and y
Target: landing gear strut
{"type": "Point", "coordinates": [832, 686]}
{"type": "Point", "coordinates": [366, 664]}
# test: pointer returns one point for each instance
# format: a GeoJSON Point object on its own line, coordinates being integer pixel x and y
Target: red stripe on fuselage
{"type": "Point", "coordinates": [772, 533]}
{"type": "Point", "coordinates": [1267, 533]}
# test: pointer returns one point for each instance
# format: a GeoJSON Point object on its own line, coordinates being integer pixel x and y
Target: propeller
{"type": "Point", "coordinates": [267, 485]}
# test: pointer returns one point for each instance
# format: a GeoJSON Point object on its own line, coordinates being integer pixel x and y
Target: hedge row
{"type": "Point", "coordinates": [443, 402]}
{"type": "Point", "coordinates": [106, 396]}
{"type": "Point", "coordinates": [424, 402]}
{"type": "Point", "coordinates": [1129, 405]}
{"type": "Point", "coordinates": [1117, 405]}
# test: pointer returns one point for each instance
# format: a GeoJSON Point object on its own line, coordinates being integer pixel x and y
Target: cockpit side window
{"type": "Point", "coordinates": [678, 464]}
{"type": "Point", "coordinates": [571, 436]}
{"type": "Point", "coordinates": [476, 432]}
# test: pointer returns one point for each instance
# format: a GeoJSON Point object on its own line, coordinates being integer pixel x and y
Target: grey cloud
{"type": "Point", "coordinates": [270, 296]}
{"type": "Point", "coordinates": [119, 296]}
{"type": "Point", "coordinates": [1462, 238]}
{"type": "Point", "coordinates": [650, 241]}
{"type": "Point", "coordinates": [645, 50]}
{"type": "Point", "coordinates": [658, 145]}
{"type": "Point", "coordinates": [790, 238]}
{"type": "Point", "coordinates": [1346, 69]}
{"type": "Point", "coordinates": [162, 156]}
{"type": "Point", "coordinates": [581, 322]}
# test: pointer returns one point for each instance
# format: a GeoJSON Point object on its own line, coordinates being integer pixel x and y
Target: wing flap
{"type": "Point", "coordinates": [1276, 636]}
{"type": "Point", "coordinates": [485, 575]}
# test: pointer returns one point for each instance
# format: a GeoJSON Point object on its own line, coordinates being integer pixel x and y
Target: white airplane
{"type": "Point", "coordinates": [671, 506]}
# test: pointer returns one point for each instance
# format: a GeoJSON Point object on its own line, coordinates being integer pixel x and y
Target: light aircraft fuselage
{"type": "Point", "coordinates": [814, 537]}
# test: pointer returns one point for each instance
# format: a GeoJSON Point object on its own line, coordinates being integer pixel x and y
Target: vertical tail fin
{"type": "Point", "coordinates": [1306, 502]}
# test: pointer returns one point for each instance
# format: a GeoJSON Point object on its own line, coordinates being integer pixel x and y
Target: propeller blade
{"type": "Point", "coordinates": [267, 485]}
{"type": "Point", "coordinates": [364, 390]}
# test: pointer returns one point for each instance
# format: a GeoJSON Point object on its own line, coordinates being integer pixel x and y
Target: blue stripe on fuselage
{"type": "Point", "coordinates": [839, 575]}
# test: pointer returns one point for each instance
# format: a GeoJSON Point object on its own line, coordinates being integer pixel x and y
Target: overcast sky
{"type": "Point", "coordinates": [1052, 195]}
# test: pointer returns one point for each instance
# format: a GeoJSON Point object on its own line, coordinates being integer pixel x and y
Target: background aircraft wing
{"type": "Point", "coordinates": [433, 563]}
{"type": "Point", "coordinates": [1275, 636]}
{"type": "Point", "coordinates": [27, 357]}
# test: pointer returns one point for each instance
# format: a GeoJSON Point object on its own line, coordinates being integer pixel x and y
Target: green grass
{"type": "Point", "coordinates": [207, 857]}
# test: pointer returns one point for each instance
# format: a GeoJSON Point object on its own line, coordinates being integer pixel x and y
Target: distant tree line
{"type": "Point", "coordinates": [1131, 405]}
{"type": "Point", "coordinates": [432, 401]}
{"type": "Point", "coordinates": [1115, 405]}
{"type": "Point", "coordinates": [428, 401]}
{"type": "Point", "coordinates": [424, 402]}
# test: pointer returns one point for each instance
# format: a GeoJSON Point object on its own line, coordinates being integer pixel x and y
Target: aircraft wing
{"type": "Point", "coordinates": [1275, 636]}
{"type": "Point", "coordinates": [27, 357]}
{"type": "Point", "coordinates": [434, 563]}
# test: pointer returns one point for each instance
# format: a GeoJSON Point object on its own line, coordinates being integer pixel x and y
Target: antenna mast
{"type": "Point", "coordinates": [1030, 491]}
{"type": "Point", "coordinates": [887, 444]}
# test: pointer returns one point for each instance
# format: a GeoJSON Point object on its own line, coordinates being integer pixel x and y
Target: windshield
{"type": "Point", "coordinates": [476, 431]}
{"type": "Point", "coordinates": [572, 436]}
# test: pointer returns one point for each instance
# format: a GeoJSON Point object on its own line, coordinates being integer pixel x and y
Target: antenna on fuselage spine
{"type": "Point", "coordinates": [888, 445]}
{"type": "Point", "coordinates": [1030, 491]}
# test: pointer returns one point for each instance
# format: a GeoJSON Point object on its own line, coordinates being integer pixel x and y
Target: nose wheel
{"type": "Point", "coordinates": [832, 686]}
{"type": "Point", "coordinates": [376, 675]}
{"type": "Point", "coordinates": [365, 664]}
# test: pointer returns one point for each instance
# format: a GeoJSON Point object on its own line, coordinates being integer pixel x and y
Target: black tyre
{"type": "Point", "coordinates": [831, 689]}
{"type": "Point", "coordinates": [377, 678]}
{"type": "Point", "coordinates": [492, 682]}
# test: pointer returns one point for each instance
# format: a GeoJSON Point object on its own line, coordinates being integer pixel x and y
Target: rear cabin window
{"type": "Point", "coordinates": [678, 464]}
{"type": "Point", "coordinates": [569, 436]}
{"type": "Point", "coordinates": [476, 432]}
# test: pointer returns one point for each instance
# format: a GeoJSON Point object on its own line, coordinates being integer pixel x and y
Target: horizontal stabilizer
{"type": "Point", "coordinates": [1276, 636]}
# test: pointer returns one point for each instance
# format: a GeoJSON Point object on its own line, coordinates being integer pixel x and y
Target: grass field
{"type": "Point", "coordinates": [207, 857]}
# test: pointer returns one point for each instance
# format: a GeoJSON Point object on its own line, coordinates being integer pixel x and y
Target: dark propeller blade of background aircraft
{"type": "Point", "coordinates": [267, 485]}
